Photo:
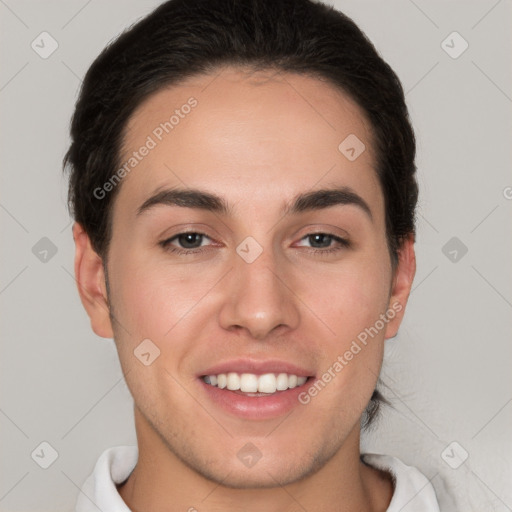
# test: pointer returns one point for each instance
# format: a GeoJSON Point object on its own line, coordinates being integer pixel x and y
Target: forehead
{"type": "Point", "coordinates": [253, 137]}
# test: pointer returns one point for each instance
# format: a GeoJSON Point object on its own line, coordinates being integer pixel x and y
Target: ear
{"type": "Point", "coordinates": [401, 287]}
{"type": "Point", "coordinates": [90, 279]}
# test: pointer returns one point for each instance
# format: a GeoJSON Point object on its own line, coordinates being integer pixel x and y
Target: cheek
{"type": "Point", "coordinates": [157, 304]}
{"type": "Point", "coordinates": [350, 303]}
{"type": "Point", "coordinates": [158, 301]}
{"type": "Point", "coordinates": [352, 299]}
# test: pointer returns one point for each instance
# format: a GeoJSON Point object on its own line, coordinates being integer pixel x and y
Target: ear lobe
{"type": "Point", "coordinates": [402, 283]}
{"type": "Point", "coordinates": [90, 278]}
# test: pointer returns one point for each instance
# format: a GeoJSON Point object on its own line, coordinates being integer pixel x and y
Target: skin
{"type": "Point", "coordinates": [256, 139]}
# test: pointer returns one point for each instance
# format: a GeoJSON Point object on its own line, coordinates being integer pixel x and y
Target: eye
{"type": "Point", "coordinates": [190, 242]}
{"type": "Point", "coordinates": [322, 243]}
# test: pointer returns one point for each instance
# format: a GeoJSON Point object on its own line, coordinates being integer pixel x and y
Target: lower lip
{"type": "Point", "coordinates": [255, 407]}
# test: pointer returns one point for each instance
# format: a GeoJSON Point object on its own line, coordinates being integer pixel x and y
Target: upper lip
{"type": "Point", "coordinates": [258, 367]}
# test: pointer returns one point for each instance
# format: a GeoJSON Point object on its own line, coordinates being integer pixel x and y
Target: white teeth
{"type": "Point", "coordinates": [233, 381]}
{"type": "Point", "coordinates": [251, 383]}
{"type": "Point", "coordinates": [267, 383]}
{"type": "Point", "coordinates": [282, 382]}
{"type": "Point", "coordinates": [248, 383]}
{"type": "Point", "coordinates": [221, 380]}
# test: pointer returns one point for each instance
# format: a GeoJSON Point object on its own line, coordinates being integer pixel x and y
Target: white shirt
{"type": "Point", "coordinates": [412, 491]}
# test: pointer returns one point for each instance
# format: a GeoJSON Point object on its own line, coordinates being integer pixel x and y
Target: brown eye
{"type": "Point", "coordinates": [322, 242]}
{"type": "Point", "coordinates": [185, 243]}
{"type": "Point", "coordinates": [190, 240]}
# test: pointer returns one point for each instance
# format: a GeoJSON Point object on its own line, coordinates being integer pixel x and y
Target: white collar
{"type": "Point", "coordinates": [413, 492]}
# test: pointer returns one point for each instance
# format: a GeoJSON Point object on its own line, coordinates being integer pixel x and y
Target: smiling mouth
{"type": "Point", "coordinates": [255, 385]}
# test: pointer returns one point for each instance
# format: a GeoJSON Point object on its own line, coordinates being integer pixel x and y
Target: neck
{"type": "Point", "coordinates": [160, 478]}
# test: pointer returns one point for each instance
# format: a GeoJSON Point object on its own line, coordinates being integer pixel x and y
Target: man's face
{"type": "Point", "coordinates": [259, 293]}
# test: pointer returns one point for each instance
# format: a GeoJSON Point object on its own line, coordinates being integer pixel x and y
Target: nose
{"type": "Point", "coordinates": [259, 298]}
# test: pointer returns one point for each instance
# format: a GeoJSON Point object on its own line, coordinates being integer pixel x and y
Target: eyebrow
{"type": "Point", "coordinates": [202, 200]}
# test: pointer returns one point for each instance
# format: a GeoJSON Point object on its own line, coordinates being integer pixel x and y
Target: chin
{"type": "Point", "coordinates": [264, 473]}
{"type": "Point", "coordinates": [254, 478]}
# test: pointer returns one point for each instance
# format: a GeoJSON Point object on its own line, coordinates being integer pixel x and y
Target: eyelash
{"type": "Point", "coordinates": [165, 244]}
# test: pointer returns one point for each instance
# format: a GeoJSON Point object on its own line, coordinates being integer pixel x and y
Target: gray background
{"type": "Point", "coordinates": [448, 371]}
